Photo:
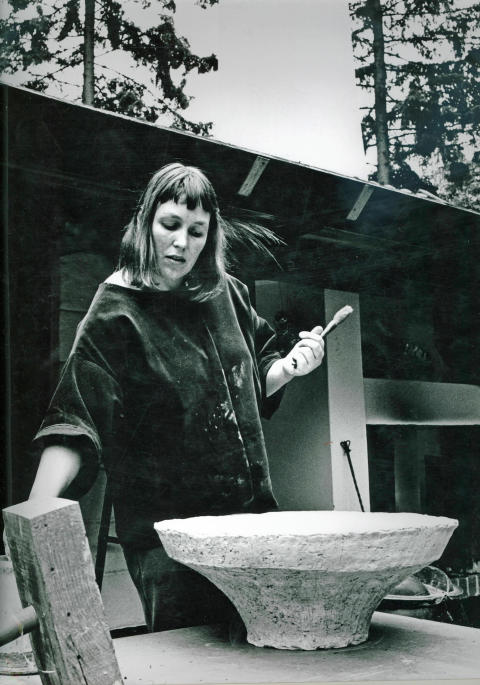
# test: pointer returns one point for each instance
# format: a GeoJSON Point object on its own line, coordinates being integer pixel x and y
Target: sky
{"type": "Point", "coordinates": [285, 84]}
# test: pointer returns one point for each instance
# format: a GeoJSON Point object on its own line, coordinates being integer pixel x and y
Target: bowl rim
{"type": "Point", "coordinates": [180, 526]}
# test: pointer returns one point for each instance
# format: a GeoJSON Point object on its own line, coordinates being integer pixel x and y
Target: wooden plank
{"type": "Point", "coordinates": [301, 479]}
{"type": "Point", "coordinates": [54, 574]}
{"type": "Point", "coordinates": [308, 467]}
{"type": "Point", "coordinates": [346, 405]}
{"type": "Point", "coordinates": [256, 170]}
{"type": "Point", "coordinates": [360, 202]}
{"type": "Point", "coordinates": [390, 402]}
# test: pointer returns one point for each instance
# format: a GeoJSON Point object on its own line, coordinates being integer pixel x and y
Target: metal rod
{"type": "Point", "coordinates": [345, 444]}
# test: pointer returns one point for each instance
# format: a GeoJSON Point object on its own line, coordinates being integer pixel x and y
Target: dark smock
{"type": "Point", "coordinates": [168, 394]}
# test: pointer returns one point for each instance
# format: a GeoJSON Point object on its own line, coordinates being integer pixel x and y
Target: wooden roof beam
{"type": "Point", "coordinates": [365, 194]}
{"type": "Point", "coordinates": [256, 170]}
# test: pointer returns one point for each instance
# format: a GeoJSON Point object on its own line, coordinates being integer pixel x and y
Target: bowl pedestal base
{"type": "Point", "coordinates": [292, 609]}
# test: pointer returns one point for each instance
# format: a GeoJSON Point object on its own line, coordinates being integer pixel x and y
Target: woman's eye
{"type": "Point", "coordinates": [169, 225]}
{"type": "Point", "coordinates": [196, 234]}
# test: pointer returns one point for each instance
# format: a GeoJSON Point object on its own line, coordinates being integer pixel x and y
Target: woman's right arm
{"type": "Point", "coordinates": [58, 467]}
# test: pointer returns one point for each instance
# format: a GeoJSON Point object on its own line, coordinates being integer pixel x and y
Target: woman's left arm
{"type": "Point", "coordinates": [305, 356]}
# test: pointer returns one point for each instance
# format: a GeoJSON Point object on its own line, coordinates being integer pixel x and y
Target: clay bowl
{"type": "Point", "coordinates": [306, 579]}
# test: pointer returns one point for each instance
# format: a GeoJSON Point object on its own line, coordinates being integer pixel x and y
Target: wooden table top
{"type": "Point", "coordinates": [400, 648]}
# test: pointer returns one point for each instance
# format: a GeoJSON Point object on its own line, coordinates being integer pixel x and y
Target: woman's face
{"type": "Point", "coordinates": [179, 235]}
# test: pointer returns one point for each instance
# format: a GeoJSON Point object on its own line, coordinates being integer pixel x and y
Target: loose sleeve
{"type": "Point", "coordinates": [86, 404]}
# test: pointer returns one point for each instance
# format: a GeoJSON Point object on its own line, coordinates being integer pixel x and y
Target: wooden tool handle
{"type": "Point", "coordinates": [340, 316]}
{"type": "Point", "coordinates": [16, 625]}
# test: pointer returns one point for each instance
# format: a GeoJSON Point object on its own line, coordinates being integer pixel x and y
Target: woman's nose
{"type": "Point", "coordinates": [180, 238]}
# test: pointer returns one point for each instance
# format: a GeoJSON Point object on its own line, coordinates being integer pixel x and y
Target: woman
{"type": "Point", "coordinates": [169, 372]}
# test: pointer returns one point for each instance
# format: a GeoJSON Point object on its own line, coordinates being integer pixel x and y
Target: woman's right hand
{"type": "Point", "coordinates": [307, 354]}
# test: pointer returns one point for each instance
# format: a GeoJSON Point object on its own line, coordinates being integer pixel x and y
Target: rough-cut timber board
{"type": "Point", "coordinates": [54, 574]}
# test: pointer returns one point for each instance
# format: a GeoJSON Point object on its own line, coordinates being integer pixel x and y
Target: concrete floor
{"type": "Point", "coordinates": [119, 595]}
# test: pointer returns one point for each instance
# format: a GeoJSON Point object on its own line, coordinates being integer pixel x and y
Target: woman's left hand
{"type": "Point", "coordinates": [306, 355]}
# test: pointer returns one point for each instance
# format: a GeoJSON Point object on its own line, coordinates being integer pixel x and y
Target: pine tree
{"type": "Point", "coordinates": [425, 121]}
{"type": "Point", "coordinates": [61, 48]}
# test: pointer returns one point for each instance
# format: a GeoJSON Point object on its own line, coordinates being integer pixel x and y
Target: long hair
{"type": "Point", "coordinates": [178, 183]}
{"type": "Point", "coordinates": [188, 184]}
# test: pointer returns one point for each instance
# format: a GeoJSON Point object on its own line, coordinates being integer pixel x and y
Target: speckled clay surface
{"type": "Point", "coordinates": [306, 580]}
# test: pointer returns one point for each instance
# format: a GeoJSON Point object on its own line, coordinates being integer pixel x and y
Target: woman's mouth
{"type": "Point", "coordinates": [176, 258]}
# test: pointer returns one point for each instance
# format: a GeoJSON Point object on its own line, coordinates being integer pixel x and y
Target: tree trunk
{"type": "Point", "coordinates": [88, 53]}
{"type": "Point", "coordinates": [381, 126]}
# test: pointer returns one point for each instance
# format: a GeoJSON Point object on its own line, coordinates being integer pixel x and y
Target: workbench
{"type": "Point", "coordinates": [400, 648]}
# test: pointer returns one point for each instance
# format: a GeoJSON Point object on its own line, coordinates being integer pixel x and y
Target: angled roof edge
{"type": "Point", "coordinates": [422, 195]}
